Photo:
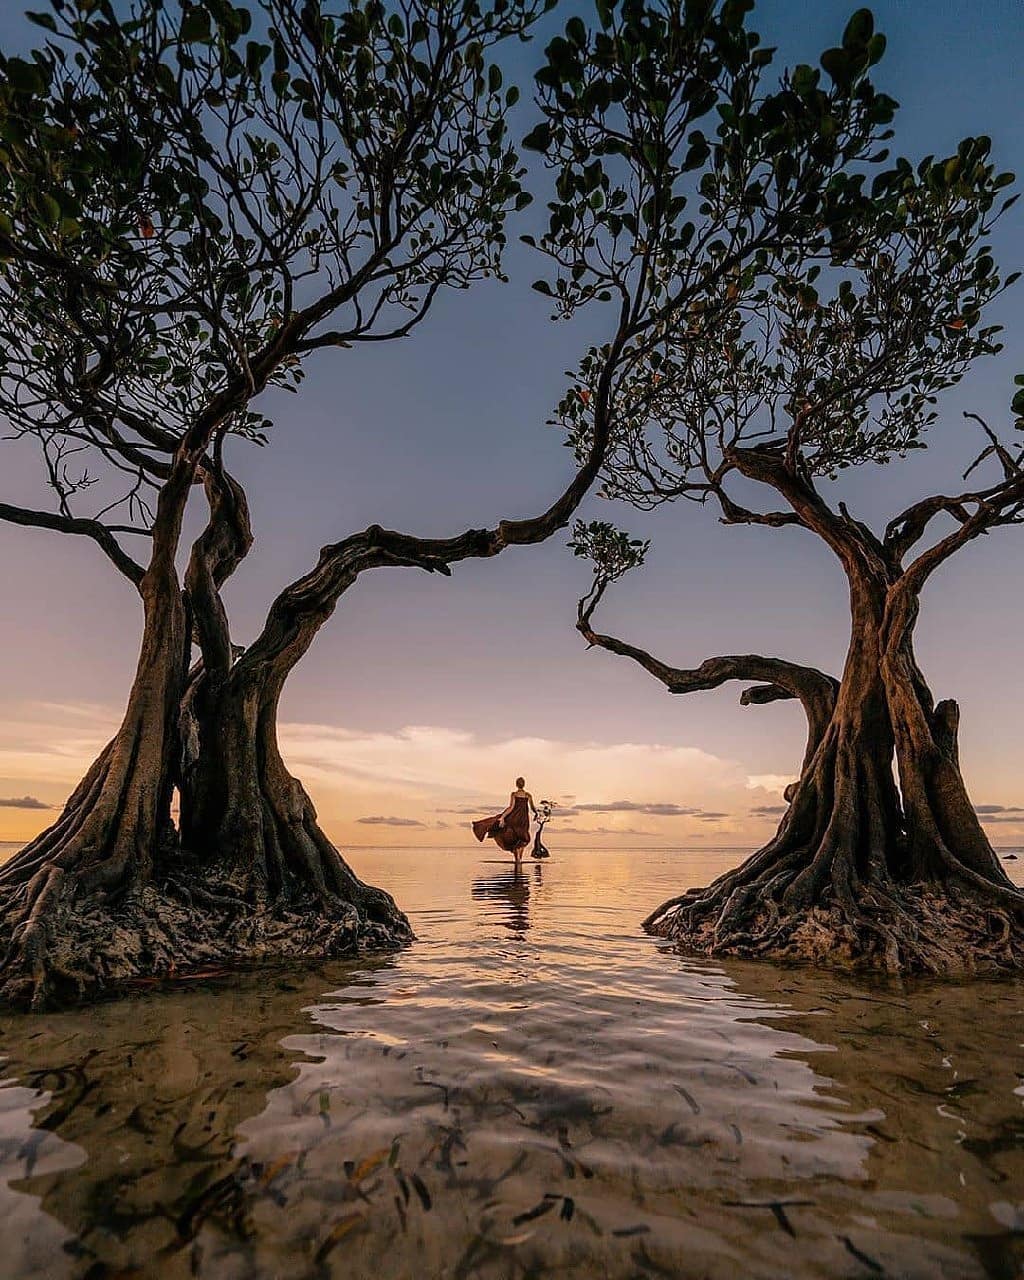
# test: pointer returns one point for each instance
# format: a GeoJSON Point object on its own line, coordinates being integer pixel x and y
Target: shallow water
{"type": "Point", "coordinates": [533, 1089]}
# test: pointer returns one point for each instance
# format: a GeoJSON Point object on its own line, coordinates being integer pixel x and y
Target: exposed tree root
{"type": "Point", "coordinates": [65, 945]}
{"type": "Point", "coordinates": [939, 930]}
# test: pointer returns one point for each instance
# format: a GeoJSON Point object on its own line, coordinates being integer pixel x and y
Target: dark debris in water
{"type": "Point", "coordinates": [571, 1153]}
{"type": "Point", "coordinates": [861, 1256]}
{"type": "Point", "coordinates": [777, 1207]}
{"type": "Point", "coordinates": [688, 1098]}
{"type": "Point", "coordinates": [538, 1211]}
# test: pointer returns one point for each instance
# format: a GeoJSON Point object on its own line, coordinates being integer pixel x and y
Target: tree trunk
{"type": "Point", "coordinates": [946, 841]}
{"type": "Point", "coordinates": [59, 896]}
{"type": "Point", "coordinates": [109, 894]}
{"type": "Point", "coordinates": [255, 829]}
{"type": "Point", "coordinates": [252, 823]}
{"type": "Point", "coordinates": [861, 873]}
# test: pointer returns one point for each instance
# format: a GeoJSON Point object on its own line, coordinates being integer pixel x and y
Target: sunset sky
{"type": "Point", "coordinates": [424, 697]}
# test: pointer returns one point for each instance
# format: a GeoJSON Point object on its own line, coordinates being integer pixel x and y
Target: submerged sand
{"type": "Point", "coordinates": [533, 1089]}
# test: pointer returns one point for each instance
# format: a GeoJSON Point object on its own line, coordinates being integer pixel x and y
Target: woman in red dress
{"type": "Point", "coordinates": [510, 830]}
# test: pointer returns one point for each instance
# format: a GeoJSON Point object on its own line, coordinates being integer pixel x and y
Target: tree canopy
{"type": "Point", "coordinates": [196, 197]}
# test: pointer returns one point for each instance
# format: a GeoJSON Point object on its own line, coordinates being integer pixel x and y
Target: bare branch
{"type": "Point", "coordinates": [100, 533]}
{"type": "Point", "coordinates": [815, 690]}
{"type": "Point", "coordinates": [992, 506]}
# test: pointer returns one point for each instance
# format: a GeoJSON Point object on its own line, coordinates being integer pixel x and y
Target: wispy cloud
{"type": "Point", "coordinates": [442, 759]}
{"type": "Point", "coordinates": [1010, 814]}
{"type": "Point", "coordinates": [777, 782]}
{"type": "Point", "coordinates": [362, 779]}
{"type": "Point", "coordinates": [658, 809]}
{"type": "Point", "coordinates": [52, 743]}
{"type": "Point", "coordinates": [769, 810]}
{"type": "Point", "coordinates": [23, 802]}
{"type": "Point", "coordinates": [603, 831]}
{"type": "Point", "coordinates": [390, 822]}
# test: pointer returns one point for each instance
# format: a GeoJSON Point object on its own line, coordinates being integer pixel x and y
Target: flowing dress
{"type": "Point", "coordinates": [516, 831]}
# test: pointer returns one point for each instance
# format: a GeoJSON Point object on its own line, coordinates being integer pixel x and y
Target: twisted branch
{"type": "Point", "coordinates": [782, 680]}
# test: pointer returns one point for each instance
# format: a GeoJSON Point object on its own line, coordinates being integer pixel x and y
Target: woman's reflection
{"type": "Point", "coordinates": [510, 889]}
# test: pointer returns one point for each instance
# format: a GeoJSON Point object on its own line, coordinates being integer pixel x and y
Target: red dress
{"type": "Point", "coordinates": [516, 831]}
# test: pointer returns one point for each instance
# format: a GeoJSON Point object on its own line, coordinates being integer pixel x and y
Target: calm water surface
{"type": "Point", "coordinates": [533, 1089]}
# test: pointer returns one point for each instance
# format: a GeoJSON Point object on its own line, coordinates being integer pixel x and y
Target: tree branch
{"type": "Point", "coordinates": [94, 529]}
{"type": "Point", "coordinates": [1004, 506]}
{"type": "Point", "coordinates": [906, 530]}
{"type": "Point", "coordinates": [215, 555]}
{"type": "Point", "coordinates": [815, 690]}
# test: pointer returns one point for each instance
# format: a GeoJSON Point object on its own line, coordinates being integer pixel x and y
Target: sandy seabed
{"type": "Point", "coordinates": [534, 1088]}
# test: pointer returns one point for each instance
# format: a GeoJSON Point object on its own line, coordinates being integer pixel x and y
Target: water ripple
{"type": "Point", "coordinates": [533, 1089]}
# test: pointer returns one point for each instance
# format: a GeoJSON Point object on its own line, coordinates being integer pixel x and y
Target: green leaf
{"type": "Point", "coordinates": [255, 56]}
{"type": "Point", "coordinates": [49, 209]}
{"type": "Point", "coordinates": [804, 79]}
{"type": "Point", "coordinates": [859, 30]}
{"type": "Point", "coordinates": [45, 20]}
{"type": "Point", "coordinates": [195, 26]}
{"type": "Point", "coordinates": [24, 76]}
{"type": "Point", "coordinates": [576, 31]}
{"type": "Point", "coordinates": [539, 138]}
{"type": "Point", "coordinates": [839, 65]}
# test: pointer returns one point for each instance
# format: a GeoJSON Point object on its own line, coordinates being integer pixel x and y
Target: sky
{"type": "Point", "coordinates": [423, 698]}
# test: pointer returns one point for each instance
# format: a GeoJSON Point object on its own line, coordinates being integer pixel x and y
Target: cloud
{"type": "Point", "coordinates": [391, 822]}
{"type": "Point", "coordinates": [658, 809]}
{"type": "Point", "coordinates": [601, 831]}
{"type": "Point", "coordinates": [23, 802]}
{"type": "Point", "coordinates": [52, 743]}
{"type": "Point", "coordinates": [1011, 814]}
{"type": "Point", "coordinates": [433, 765]}
{"type": "Point", "coordinates": [649, 808]}
{"type": "Point", "coordinates": [769, 782]}
{"type": "Point", "coordinates": [439, 772]}
{"type": "Point", "coordinates": [769, 810]}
